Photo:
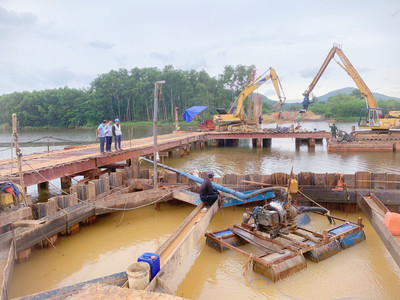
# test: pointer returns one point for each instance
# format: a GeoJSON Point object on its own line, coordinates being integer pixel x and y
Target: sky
{"type": "Point", "coordinates": [46, 44]}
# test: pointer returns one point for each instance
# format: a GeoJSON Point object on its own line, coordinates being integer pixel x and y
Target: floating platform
{"type": "Point", "coordinates": [286, 253]}
{"type": "Point", "coordinates": [363, 146]}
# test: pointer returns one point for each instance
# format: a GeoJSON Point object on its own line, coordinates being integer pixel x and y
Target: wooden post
{"type": "Point", "coordinates": [130, 137]}
{"type": "Point", "coordinates": [176, 119]}
{"type": "Point", "coordinates": [66, 182]}
{"type": "Point", "coordinates": [181, 151]}
{"type": "Point", "coordinates": [311, 143]}
{"type": "Point", "coordinates": [156, 89]}
{"type": "Point", "coordinates": [43, 186]}
{"type": "Point", "coordinates": [298, 142]}
{"type": "Point", "coordinates": [18, 153]}
{"type": "Point", "coordinates": [266, 143]}
{"type": "Point", "coordinates": [254, 142]}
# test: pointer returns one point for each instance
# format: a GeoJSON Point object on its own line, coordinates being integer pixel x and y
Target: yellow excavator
{"type": "Point", "coordinates": [371, 117]}
{"type": "Point", "coordinates": [235, 119]}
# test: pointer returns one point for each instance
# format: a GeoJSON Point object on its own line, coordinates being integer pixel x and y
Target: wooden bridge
{"type": "Point", "coordinates": [87, 160]}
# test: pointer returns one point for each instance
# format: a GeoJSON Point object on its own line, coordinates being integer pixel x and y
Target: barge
{"type": "Point", "coordinates": [278, 245]}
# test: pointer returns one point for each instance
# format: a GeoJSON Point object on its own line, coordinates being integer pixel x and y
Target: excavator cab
{"type": "Point", "coordinates": [370, 118]}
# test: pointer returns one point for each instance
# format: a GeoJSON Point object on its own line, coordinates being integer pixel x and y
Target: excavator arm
{"type": "Point", "coordinates": [351, 71]}
{"type": "Point", "coordinates": [251, 87]}
{"type": "Point", "coordinates": [372, 116]}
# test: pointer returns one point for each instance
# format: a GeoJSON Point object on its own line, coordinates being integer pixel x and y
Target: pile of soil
{"type": "Point", "coordinates": [291, 117]}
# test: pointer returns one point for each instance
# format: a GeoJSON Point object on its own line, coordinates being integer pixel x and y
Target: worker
{"type": "Point", "coordinates": [117, 133]}
{"type": "Point", "coordinates": [333, 130]}
{"type": "Point", "coordinates": [208, 194]}
{"type": "Point", "coordinates": [260, 119]}
{"type": "Point", "coordinates": [280, 115]}
{"type": "Point", "coordinates": [298, 120]}
{"type": "Point", "coordinates": [109, 135]}
{"type": "Point", "coordinates": [101, 133]}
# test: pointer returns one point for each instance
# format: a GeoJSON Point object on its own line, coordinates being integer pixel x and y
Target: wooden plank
{"type": "Point", "coordinates": [131, 200]}
{"type": "Point", "coordinates": [254, 240]}
{"type": "Point", "coordinates": [9, 217]}
{"type": "Point", "coordinates": [55, 223]}
{"type": "Point", "coordinates": [187, 196]}
{"type": "Point", "coordinates": [28, 223]}
{"type": "Point", "coordinates": [376, 219]}
{"type": "Point", "coordinates": [7, 264]}
{"type": "Point", "coordinates": [175, 250]}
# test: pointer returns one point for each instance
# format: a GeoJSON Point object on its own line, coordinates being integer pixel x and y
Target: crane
{"type": "Point", "coordinates": [371, 117]}
{"type": "Point", "coordinates": [237, 117]}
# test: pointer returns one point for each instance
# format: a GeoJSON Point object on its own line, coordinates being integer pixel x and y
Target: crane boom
{"type": "Point", "coordinates": [237, 115]}
{"type": "Point", "coordinates": [366, 94]}
{"type": "Point", "coordinates": [370, 117]}
{"type": "Point", "coordinates": [252, 86]}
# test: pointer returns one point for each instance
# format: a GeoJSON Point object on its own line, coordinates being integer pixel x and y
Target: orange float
{"type": "Point", "coordinates": [392, 222]}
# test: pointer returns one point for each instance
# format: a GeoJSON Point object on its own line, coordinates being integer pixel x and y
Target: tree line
{"type": "Point", "coordinates": [347, 107]}
{"type": "Point", "coordinates": [127, 95]}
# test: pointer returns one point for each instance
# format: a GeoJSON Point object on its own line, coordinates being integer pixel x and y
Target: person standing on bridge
{"type": "Point", "coordinates": [109, 136]}
{"type": "Point", "coordinates": [101, 133]}
{"type": "Point", "coordinates": [117, 133]}
{"type": "Point", "coordinates": [208, 194]}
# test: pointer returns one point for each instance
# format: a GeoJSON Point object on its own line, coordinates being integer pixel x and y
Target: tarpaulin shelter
{"type": "Point", "coordinates": [192, 112]}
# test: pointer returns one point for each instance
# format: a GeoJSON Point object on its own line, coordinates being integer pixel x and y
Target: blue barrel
{"type": "Point", "coordinates": [153, 260]}
{"type": "Point", "coordinates": [323, 252]}
{"type": "Point", "coordinates": [350, 239]}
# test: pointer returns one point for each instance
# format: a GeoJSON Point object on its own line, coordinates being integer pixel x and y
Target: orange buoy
{"type": "Point", "coordinates": [392, 222]}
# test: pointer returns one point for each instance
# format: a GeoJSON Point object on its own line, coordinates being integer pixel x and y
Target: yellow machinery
{"type": "Point", "coordinates": [235, 119]}
{"type": "Point", "coordinates": [371, 117]}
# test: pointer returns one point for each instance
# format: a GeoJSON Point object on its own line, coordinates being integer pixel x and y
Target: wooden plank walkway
{"type": "Point", "coordinates": [42, 167]}
{"type": "Point", "coordinates": [72, 160]}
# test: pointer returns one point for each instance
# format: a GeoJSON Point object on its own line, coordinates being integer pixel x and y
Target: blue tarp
{"type": "Point", "coordinates": [192, 112]}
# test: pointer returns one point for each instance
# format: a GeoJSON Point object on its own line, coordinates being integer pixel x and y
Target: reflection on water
{"type": "Point", "coordinates": [282, 157]}
{"type": "Point", "coordinates": [365, 271]}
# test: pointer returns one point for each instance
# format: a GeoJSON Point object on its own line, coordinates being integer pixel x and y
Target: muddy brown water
{"type": "Point", "coordinates": [365, 271]}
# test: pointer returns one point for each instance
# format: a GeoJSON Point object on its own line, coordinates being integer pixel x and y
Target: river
{"type": "Point", "coordinates": [365, 271]}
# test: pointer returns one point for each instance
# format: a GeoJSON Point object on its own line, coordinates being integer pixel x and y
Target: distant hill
{"type": "Point", "coordinates": [286, 106]}
{"type": "Point", "coordinates": [348, 90]}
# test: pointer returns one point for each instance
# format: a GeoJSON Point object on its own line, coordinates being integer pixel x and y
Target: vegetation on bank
{"type": "Point", "coordinates": [347, 107]}
{"type": "Point", "coordinates": [129, 96]}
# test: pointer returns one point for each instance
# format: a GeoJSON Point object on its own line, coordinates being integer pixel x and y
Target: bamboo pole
{"type": "Point", "coordinates": [19, 155]}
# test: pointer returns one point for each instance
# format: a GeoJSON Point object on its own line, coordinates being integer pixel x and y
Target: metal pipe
{"type": "Point", "coordinates": [219, 187]}
{"type": "Point", "coordinates": [237, 194]}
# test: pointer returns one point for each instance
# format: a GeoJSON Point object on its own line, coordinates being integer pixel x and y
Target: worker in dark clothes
{"type": "Point", "coordinates": [208, 194]}
{"type": "Point", "coordinates": [333, 130]}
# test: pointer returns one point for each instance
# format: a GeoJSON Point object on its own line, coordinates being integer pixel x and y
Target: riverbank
{"type": "Point", "coordinates": [7, 127]}
{"type": "Point", "coordinates": [291, 117]}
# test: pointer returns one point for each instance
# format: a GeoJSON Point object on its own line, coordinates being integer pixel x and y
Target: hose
{"type": "Point", "coordinates": [322, 210]}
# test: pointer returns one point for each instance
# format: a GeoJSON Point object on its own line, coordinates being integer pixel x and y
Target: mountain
{"type": "Point", "coordinates": [348, 90]}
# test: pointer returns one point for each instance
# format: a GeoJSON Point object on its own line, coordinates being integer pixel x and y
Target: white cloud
{"type": "Point", "coordinates": [102, 45]}
{"type": "Point", "coordinates": [56, 43]}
